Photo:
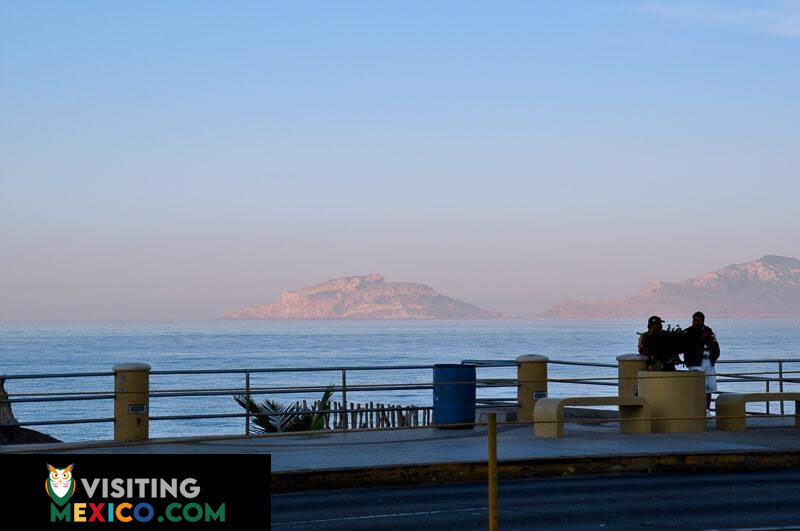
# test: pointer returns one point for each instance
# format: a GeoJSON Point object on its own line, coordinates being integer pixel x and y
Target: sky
{"type": "Point", "coordinates": [178, 160]}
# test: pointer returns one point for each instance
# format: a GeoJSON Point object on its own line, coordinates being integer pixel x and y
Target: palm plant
{"type": "Point", "coordinates": [270, 416]}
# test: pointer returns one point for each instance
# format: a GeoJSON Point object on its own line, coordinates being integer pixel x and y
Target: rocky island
{"type": "Point", "coordinates": [768, 287]}
{"type": "Point", "coordinates": [365, 297]}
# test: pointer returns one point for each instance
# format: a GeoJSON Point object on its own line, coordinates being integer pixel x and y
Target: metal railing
{"type": "Point", "coordinates": [248, 390]}
{"type": "Point", "coordinates": [762, 376]}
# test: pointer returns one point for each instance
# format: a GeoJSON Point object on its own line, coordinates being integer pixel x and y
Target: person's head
{"type": "Point", "coordinates": [698, 319]}
{"type": "Point", "coordinates": [654, 323]}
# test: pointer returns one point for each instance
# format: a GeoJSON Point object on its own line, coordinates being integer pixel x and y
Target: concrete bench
{"type": "Point", "coordinates": [730, 408]}
{"type": "Point", "coordinates": [548, 413]}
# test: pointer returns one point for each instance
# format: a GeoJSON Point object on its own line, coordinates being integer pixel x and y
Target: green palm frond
{"type": "Point", "coordinates": [272, 417]}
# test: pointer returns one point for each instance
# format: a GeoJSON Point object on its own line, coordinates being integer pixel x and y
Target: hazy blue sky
{"type": "Point", "coordinates": [183, 159]}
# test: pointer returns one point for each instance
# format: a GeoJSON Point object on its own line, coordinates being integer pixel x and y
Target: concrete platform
{"type": "Point", "coordinates": [411, 455]}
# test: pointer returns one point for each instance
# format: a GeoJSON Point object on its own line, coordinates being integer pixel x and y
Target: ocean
{"type": "Point", "coordinates": [68, 347]}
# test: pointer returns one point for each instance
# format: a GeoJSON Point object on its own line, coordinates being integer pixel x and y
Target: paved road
{"type": "Point", "coordinates": [751, 500]}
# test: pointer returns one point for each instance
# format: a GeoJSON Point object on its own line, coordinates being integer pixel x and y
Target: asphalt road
{"type": "Point", "coordinates": [746, 500]}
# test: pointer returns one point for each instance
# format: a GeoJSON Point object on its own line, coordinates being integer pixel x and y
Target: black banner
{"type": "Point", "coordinates": [135, 491]}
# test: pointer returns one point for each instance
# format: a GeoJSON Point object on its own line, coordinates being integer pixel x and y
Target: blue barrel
{"type": "Point", "coordinates": [454, 395]}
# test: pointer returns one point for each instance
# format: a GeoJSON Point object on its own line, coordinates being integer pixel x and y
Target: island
{"type": "Point", "coordinates": [365, 297]}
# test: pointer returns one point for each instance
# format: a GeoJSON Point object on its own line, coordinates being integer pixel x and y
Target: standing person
{"type": "Point", "coordinates": [702, 352]}
{"type": "Point", "coordinates": [651, 346]}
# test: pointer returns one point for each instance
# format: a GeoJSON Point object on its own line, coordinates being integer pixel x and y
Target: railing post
{"type": "Point", "coordinates": [780, 381]}
{"type": "Point", "coordinates": [247, 395]}
{"type": "Point", "coordinates": [531, 382]}
{"type": "Point", "coordinates": [344, 398]}
{"type": "Point", "coordinates": [492, 466]}
{"type": "Point", "coordinates": [767, 382]}
{"type": "Point", "coordinates": [131, 402]}
{"type": "Point", "coordinates": [628, 369]}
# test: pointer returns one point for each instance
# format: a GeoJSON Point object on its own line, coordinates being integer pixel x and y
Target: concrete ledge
{"type": "Point", "coordinates": [90, 445]}
{"type": "Point", "coordinates": [448, 473]}
{"type": "Point", "coordinates": [134, 366]}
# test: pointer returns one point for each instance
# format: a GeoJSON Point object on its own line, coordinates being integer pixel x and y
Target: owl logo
{"type": "Point", "coordinates": [59, 484]}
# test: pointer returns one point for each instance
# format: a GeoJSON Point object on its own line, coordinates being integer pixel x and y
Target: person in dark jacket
{"type": "Point", "coordinates": [702, 352]}
{"type": "Point", "coordinates": [653, 345]}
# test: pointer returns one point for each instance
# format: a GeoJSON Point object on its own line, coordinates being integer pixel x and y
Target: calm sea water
{"type": "Point", "coordinates": [66, 347]}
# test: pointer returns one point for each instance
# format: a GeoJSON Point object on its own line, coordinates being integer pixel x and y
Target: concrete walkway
{"type": "Point", "coordinates": [357, 450]}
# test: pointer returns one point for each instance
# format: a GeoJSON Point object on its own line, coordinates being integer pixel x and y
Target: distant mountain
{"type": "Point", "coordinates": [364, 297]}
{"type": "Point", "coordinates": [768, 287]}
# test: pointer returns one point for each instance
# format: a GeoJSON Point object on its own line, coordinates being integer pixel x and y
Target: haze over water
{"type": "Point", "coordinates": [178, 160]}
{"type": "Point", "coordinates": [64, 347]}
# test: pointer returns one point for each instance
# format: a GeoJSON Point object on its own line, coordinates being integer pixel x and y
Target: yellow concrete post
{"type": "Point", "coordinates": [532, 381]}
{"type": "Point", "coordinates": [677, 400]}
{"type": "Point", "coordinates": [628, 369]}
{"type": "Point", "coordinates": [731, 414]}
{"type": "Point", "coordinates": [131, 402]}
{"type": "Point", "coordinates": [548, 418]}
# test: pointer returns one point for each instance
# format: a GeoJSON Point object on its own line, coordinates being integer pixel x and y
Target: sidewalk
{"type": "Point", "coordinates": [412, 455]}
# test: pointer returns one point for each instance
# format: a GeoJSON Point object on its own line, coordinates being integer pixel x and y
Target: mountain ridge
{"type": "Point", "coordinates": [767, 287]}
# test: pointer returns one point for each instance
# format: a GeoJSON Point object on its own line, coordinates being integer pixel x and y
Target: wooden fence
{"type": "Point", "coordinates": [371, 415]}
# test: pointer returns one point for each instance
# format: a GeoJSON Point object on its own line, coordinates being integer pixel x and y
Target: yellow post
{"type": "Point", "coordinates": [628, 368]}
{"type": "Point", "coordinates": [532, 382]}
{"type": "Point", "coordinates": [494, 522]}
{"type": "Point", "coordinates": [677, 400]}
{"type": "Point", "coordinates": [131, 402]}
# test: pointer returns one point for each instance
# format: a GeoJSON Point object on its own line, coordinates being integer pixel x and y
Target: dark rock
{"type": "Point", "coordinates": [19, 435]}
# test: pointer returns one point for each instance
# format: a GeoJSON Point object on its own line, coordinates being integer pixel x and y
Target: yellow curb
{"type": "Point", "coordinates": [448, 473]}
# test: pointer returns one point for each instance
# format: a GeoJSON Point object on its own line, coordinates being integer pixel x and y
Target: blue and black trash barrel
{"type": "Point", "coordinates": [454, 395]}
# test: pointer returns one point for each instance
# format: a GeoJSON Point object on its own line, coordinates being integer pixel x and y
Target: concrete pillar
{"type": "Point", "coordinates": [677, 400]}
{"type": "Point", "coordinates": [131, 402]}
{"type": "Point", "coordinates": [532, 381]}
{"type": "Point", "coordinates": [628, 369]}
